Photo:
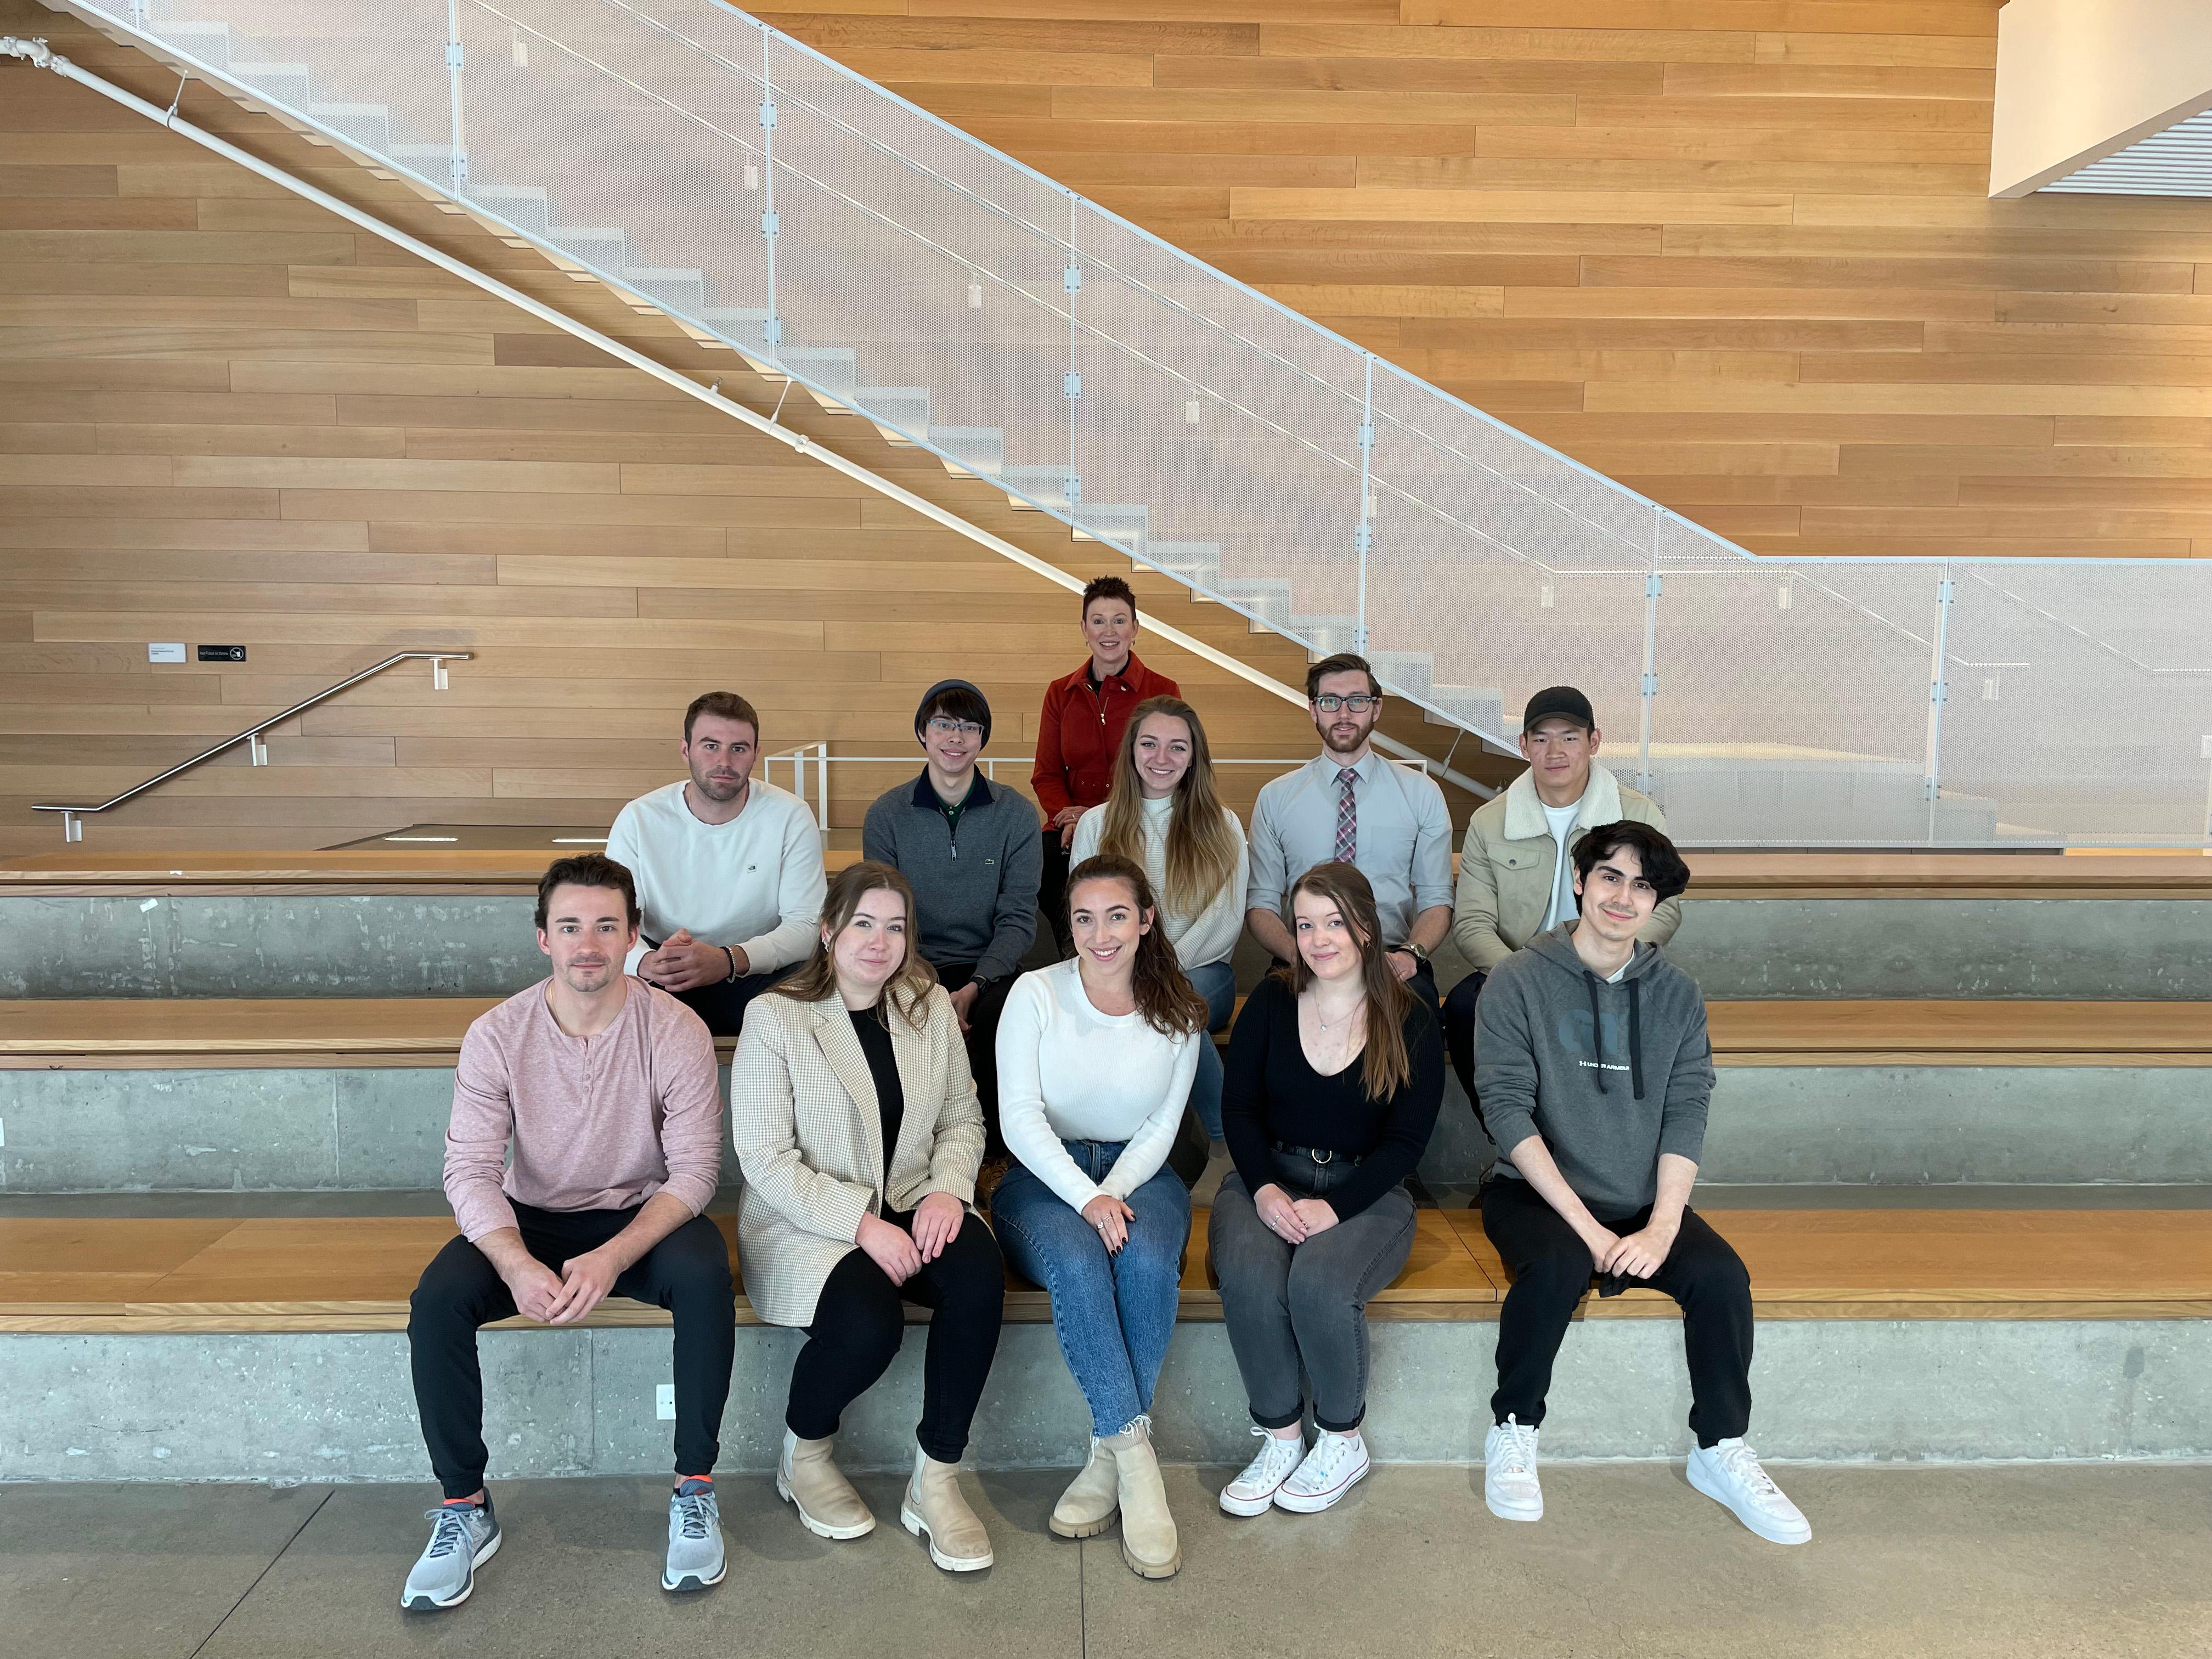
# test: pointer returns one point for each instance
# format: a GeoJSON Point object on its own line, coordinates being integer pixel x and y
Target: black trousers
{"type": "Point", "coordinates": [1551, 1269]}
{"type": "Point", "coordinates": [1052, 889]}
{"type": "Point", "coordinates": [982, 1044]}
{"type": "Point", "coordinates": [687, 1273]}
{"type": "Point", "coordinates": [723, 1004]}
{"type": "Point", "coordinates": [1459, 1030]}
{"type": "Point", "coordinates": [860, 1320]}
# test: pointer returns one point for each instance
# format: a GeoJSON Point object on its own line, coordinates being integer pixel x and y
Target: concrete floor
{"type": "Point", "coordinates": [2021, 1562]}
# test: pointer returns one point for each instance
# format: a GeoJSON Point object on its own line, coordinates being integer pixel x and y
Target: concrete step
{"type": "Point", "coordinates": [1868, 1319]}
{"type": "Point", "coordinates": [354, 1093]}
{"type": "Point", "coordinates": [1741, 938]}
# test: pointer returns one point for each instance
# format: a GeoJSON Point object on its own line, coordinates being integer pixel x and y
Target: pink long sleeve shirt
{"type": "Point", "coordinates": [600, 1122]}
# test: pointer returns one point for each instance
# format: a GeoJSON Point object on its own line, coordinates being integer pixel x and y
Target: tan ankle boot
{"type": "Point", "coordinates": [935, 1509]}
{"type": "Point", "coordinates": [1087, 1508]}
{"type": "Point", "coordinates": [807, 1479]}
{"type": "Point", "coordinates": [1148, 1531]}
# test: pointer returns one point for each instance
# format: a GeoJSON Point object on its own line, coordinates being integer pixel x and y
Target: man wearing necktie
{"type": "Point", "coordinates": [1349, 804]}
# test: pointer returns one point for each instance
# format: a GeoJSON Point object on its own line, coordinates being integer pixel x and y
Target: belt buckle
{"type": "Point", "coordinates": [1321, 1157]}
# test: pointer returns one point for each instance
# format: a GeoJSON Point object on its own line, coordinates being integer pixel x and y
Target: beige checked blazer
{"type": "Point", "coordinates": [809, 1135]}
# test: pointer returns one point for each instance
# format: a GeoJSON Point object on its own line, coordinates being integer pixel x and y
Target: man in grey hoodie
{"type": "Point", "coordinates": [1594, 1071]}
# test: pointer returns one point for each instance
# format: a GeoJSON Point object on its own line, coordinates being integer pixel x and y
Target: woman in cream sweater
{"type": "Point", "coordinates": [856, 1123]}
{"type": "Point", "coordinates": [1165, 817]}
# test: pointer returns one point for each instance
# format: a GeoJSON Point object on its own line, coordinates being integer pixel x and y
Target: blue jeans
{"type": "Point", "coordinates": [1217, 983]}
{"type": "Point", "coordinates": [1113, 1313]}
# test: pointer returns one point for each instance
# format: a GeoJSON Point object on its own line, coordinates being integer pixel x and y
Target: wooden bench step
{"type": "Point", "coordinates": [220, 1031]}
{"type": "Point", "coordinates": [276, 1273]}
{"type": "Point", "coordinates": [1718, 875]}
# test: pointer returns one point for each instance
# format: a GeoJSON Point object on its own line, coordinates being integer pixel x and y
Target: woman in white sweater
{"type": "Point", "coordinates": [1164, 815]}
{"type": "Point", "coordinates": [1094, 1062]}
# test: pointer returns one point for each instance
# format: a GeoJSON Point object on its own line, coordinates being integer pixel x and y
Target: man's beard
{"type": "Point", "coordinates": [720, 792]}
{"type": "Point", "coordinates": [1328, 740]}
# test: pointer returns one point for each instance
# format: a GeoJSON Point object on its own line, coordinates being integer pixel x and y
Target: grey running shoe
{"type": "Point", "coordinates": [695, 1538]}
{"type": "Point", "coordinates": [463, 1537]}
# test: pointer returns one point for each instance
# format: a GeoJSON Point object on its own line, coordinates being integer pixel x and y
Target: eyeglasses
{"type": "Point", "coordinates": [1329, 705]}
{"type": "Point", "coordinates": [941, 728]}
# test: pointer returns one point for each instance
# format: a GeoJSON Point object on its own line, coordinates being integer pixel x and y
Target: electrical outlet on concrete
{"type": "Point", "coordinates": [4, 1132]}
{"type": "Point", "coordinates": [663, 1401]}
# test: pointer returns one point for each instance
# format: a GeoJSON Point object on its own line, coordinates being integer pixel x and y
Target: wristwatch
{"type": "Point", "coordinates": [1418, 952]}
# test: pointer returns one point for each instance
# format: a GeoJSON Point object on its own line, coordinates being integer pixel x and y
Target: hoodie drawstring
{"type": "Point", "coordinates": [1597, 1031]}
{"type": "Point", "coordinates": [1634, 1034]}
{"type": "Point", "coordinates": [1635, 1038]}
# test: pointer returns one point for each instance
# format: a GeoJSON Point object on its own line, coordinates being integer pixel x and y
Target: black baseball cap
{"type": "Point", "coordinates": [1558, 702]}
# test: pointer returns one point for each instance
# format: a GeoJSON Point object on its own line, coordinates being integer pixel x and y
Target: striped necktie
{"type": "Point", "coordinates": [1347, 815]}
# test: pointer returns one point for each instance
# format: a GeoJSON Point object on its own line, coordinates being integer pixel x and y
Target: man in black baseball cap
{"type": "Point", "coordinates": [1515, 872]}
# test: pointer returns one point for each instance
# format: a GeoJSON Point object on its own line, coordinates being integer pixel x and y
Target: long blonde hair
{"type": "Point", "coordinates": [908, 989]}
{"type": "Point", "coordinates": [1202, 848]}
{"type": "Point", "coordinates": [1387, 1066]}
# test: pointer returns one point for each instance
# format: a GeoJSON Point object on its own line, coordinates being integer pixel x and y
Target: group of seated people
{"type": "Point", "coordinates": [890, 1051]}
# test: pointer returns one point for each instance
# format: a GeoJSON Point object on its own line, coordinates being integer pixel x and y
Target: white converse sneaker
{"type": "Point", "coordinates": [1730, 1474]}
{"type": "Point", "coordinates": [1509, 1476]}
{"type": "Point", "coordinates": [1332, 1469]}
{"type": "Point", "coordinates": [1253, 1493]}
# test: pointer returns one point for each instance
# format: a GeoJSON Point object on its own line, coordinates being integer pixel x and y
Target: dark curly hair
{"type": "Point", "coordinates": [1663, 865]}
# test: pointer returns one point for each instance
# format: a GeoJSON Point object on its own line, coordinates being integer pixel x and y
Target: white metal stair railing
{"type": "Point", "coordinates": [814, 760]}
{"type": "Point", "coordinates": [835, 236]}
{"type": "Point", "coordinates": [257, 752]}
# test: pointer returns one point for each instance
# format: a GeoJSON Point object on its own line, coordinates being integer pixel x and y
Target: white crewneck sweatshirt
{"type": "Point", "coordinates": [756, 881]}
{"type": "Point", "coordinates": [1068, 1073]}
{"type": "Point", "coordinates": [1209, 936]}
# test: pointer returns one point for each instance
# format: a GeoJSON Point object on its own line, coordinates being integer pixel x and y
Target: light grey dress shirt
{"type": "Point", "coordinates": [1404, 838]}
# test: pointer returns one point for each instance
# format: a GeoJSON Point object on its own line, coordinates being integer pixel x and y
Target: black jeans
{"type": "Point", "coordinates": [861, 1319]}
{"type": "Point", "coordinates": [1459, 1032]}
{"type": "Point", "coordinates": [983, 1044]}
{"type": "Point", "coordinates": [687, 1273]}
{"type": "Point", "coordinates": [1551, 1269]}
{"type": "Point", "coordinates": [1052, 889]}
{"type": "Point", "coordinates": [723, 1004]}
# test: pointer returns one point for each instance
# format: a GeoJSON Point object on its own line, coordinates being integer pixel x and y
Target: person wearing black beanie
{"type": "Point", "coordinates": [973, 851]}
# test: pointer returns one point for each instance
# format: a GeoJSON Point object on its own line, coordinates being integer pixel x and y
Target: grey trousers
{"type": "Point", "coordinates": [1290, 1307]}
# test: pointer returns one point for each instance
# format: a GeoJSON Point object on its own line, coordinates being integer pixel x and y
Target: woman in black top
{"type": "Point", "coordinates": [1334, 1073]}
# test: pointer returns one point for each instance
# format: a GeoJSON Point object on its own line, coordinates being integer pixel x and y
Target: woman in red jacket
{"type": "Point", "coordinates": [1081, 731]}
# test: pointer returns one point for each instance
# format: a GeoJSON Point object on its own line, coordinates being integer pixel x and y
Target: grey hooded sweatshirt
{"type": "Point", "coordinates": [1610, 1074]}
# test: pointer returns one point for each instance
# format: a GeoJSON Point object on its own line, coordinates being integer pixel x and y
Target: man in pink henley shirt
{"type": "Point", "coordinates": [604, 1088]}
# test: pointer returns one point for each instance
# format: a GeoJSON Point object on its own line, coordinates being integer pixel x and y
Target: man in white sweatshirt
{"type": "Point", "coordinates": [728, 870]}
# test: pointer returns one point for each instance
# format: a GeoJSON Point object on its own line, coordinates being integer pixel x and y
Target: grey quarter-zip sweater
{"type": "Point", "coordinates": [974, 869]}
{"type": "Point", "coordinates": [1610, 1074]}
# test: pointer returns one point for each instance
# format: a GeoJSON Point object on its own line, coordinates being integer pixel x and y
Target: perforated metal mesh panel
{"type": "Point", "coordinates": [890, 265]}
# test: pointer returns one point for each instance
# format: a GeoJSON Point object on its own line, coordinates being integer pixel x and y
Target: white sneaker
{"type": "Point", "coordinates": [1730, 1474]}
{"type": "Point", "coordinates": [1508, 1477]}
{"type": "Point", "coordinates": [1332, 1469]}
{"type": "Point", "coordinates": [1253, 1493]}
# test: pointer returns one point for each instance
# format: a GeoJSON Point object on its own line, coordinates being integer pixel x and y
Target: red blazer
{"type": "Point", "coordinates": [1081, 733]}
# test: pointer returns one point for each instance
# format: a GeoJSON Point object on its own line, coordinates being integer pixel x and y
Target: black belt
{"type": "Point", "coordinates": [1320, 1154]}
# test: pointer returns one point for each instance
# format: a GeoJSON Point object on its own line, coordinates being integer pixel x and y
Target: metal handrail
{"type": "Point", "coordinates": [73, 828]}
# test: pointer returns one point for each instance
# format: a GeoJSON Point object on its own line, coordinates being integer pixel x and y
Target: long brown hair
{"type": "Point", "coordinates": [1166, 1000]}
{"type": "Point", "coordinates": [1202, 848]}
{"type": "Point", "coordinates": [1389, 1067]}
{"type": "Point", "coordinates": [907, 990]}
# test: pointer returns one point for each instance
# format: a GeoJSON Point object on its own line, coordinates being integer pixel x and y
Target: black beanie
{"type": "Point", "coordinates": [921, 712]}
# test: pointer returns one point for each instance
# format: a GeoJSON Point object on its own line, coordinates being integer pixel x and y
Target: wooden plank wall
{"type": "Point", "coordinates": [227, 417]}
{"type": "Point", "coordinates": [1737, 253]}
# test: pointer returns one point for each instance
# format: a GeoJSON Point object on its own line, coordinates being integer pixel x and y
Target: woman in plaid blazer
{"type": "Point", "coordinates": [856, 1123]}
